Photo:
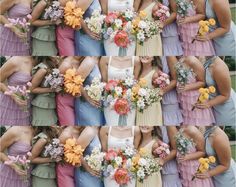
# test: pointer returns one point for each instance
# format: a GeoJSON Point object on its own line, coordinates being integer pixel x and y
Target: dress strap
{"type": "Point", "coordinates": [109, 131]}
{"type": "Point", "coordinates": [109, 62]}
{"type": "Point", "coordinates": [133, 128]}
{"type": "Point", "coordinates": [209, 131]}
{"type": "Point", "coordinates": [209, 62]}
{"type": "Point", "coordinates": [133, 58]}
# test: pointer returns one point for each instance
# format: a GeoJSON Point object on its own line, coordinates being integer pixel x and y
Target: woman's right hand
{"type": "Point", "coordinates": [19, 101]}
{"type": "Point", "coordinates": [18, 33]}
{"type": "Point", "coordinates": [19, 171]}
{"type": "Point", "coordinates": [93, 35]}
{"type": "Point", "coordinates": [93, 102]}
{"type": "Point", "coordinates": [91, 171]}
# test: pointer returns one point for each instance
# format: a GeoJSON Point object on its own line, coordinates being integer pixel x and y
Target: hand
{"type": "Point", "coordinates": [57, 22]}
{"type": "Point", "coordinates": [202, 105]}
{"type": "Point", "coordinates": [202, 175]}
{"type": "Point", "coordinates": [181, 88]}
{"type": "Point", "coordinates": [91, 171]}
{"type": "Point", "coordinates": [93, 102]}
{"type": "Point", "coordinates": [18, 33]}
{"type": "Point", "coordinates": [182, 158]}
{"type": "Point", "coordinates": [57, 90]}
{"type": "Point", "coordinates": [161, 162]}
{"type": "Point", "coordinates": [182, 20]}
{"type": "Point", "coordinates": [19, 101]}
{"type": "Point", "coordinates": [202, 38]}
{"type": "Point", "coordinates": [19, 171]}
{"type": "Point", "coordinates": [93, 35]}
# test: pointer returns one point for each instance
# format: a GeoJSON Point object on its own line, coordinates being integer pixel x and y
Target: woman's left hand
{"type": "Point", "coordinates": [202, 105]}
{"type": "Point", "coordinates": [202, 38]}
{"type": "Point", "coordinates": [181, 88]}
{"type": "Point", "coordinates": [202, 175]}
{"type": "Point", "coordinates": [182, 21]}
{"type": "Point", "coordinates": [182, 158]}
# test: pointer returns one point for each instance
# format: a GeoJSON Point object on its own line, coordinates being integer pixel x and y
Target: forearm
{"type": "Point", "coordinates": [196, 155]}
{"type": "Point", "coordinates": [40, 160]}
{"type": "Point", "coordinates": [171, 156]}
{"type": "Point", "coordinates": [217, 33]}
{"type": "Point", "coordinates": [217, 170]}
{"type": "Point", "coordinates": [40, 90]}
{"type": "Point", "coordinates": [170, 87]}
{"type": "Point", "coordinates": [39, 23]}
{"type": "Point", "coordinates": [3, 20]}
{"type": "Point", "coordinates": [196, 18]}
{"type": "Point", "coordinates": [3, 157]}
{"type": "Point", "coordinates": [195, 86]}
{"type": "Point", "coordinates": [3, 87]}
{"type": "Point", "coordinates": [220, 99]}
{"type": "Point", "coordinates": [170, 19]}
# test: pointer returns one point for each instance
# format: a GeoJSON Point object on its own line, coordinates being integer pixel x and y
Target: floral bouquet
{"type": "Point", "coordinates": [162, 80]}
{"type": "Point", "coordinates": [54, 11]}
{"type": "Point", "coordinates": [204, 164]}
{"type": "Point", "coordinates": [73, 82]}
{"type": "Point", "coordinates": [182, 7]}
{"type": "Point", "coordinates": [54, 79]}
{"type": "Point", "coordinates": [163, 150]}
{"type": "Point", "coordinates": [73, 152]}
{"type": "Point", "coordinates": [73, 15]}
{"type": "Point", "coordinates": [54, 150]}
{"type": "Point", "coordinates": [182, 73]}
{"type": "Point", "coordinates": [161, 13]}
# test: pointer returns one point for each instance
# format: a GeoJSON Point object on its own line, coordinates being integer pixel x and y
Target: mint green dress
{"type": "Point", "coordinates": [43, 105]}
{"type": "Point", "coordinates": [43, 175]}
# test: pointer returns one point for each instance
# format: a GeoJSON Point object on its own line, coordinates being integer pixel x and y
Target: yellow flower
{"type": "Point", "coordinates": [212, 22]}
{"type": "Point", "coordinates": [205, 96]}
{"type": "Point", "coordinates": [201, 160]}
{"type": "Point", "coordinates": [201, 90]}
{"type": "Point", "coordinates": [201, 169]}
{"type": "Point", "coordinates": [201, 99]}
{"type": "Point", "coordinates": [212, 89]}
{"type": "Point", "coordinates": [205, 166]}
{"type": "Point", "coordinates": [212, 159]}
{"type": "Point", "coordinates": [135, 89]}
{"type": "Point", "coordinates": [142, 82]}
{"type": "Point", "coordinates": [143, 151]}
{"type": "Point", "coordinates": [206, 28]}
{"type": "Point", "coordinates": [142, 14]}
{"type": "Point", "coordinates": [201, 31]}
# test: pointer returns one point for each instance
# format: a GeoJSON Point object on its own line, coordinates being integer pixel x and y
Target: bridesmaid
{"type": "Point", "coordinates": [152, 46]}
{"type": "Point", "coordinates": [188, 27]}
{"type": "Point", "coordinates": [12, 39]}
{"type": "Point", "coordinates": [17, 141]}
{"type": "Point", "coordinates": [43, 104]}
{"type": "Point", "coordinates": [88, 43]}
{"type": "Point", "coordinates": [188, 162]}
{"type": "Point", "coordinates": [223, 172]}
{"type": "Point", "coordinates": [15, 71]}
{"type": "Point", "coordinates": [223, 101]}
{"type": "Point", "coordinates": [43, 37]}
{"type": "Point", "coordinates": [147, 142]}
{"type": "Point", "coordinates": [84, 175]}
{"type": "Point", "coordinates": [151, 116]}
{"type": "Point", "coordinates": [88, 70]}
{"type": "Point", "coordinates": [43, 173]}
{"type": "Point", "coordinates": [188, 94]}
{"type": "Point", "coordinates": [224, 34]}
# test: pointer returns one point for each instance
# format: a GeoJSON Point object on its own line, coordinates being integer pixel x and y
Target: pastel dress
{"type": "Point", "coordinates": [84, 178]}
{"type": "Point", "coordinates": [154, 179]}
{"type": "Point", "coordinates": [171, 112]}
{"type": "Point", "coordinates": [85, 113]}
{"type": "Point", "coordinates": [152, 115]}
{"type": "Point", "coordinates": [111, 48]}
{"type": "Point", "coordinates": [224, 113]}
{"type": "Point", "coordinates": [187, 99]}
{"type": "Point", "coordinates": [43, 105]}
{"type": "Point", "coordinates": [84, 44]}
{"type": "Point", "coordinates": [228, 177]}
{"type": "Point", "coordinates": [187, 169]}
{"type": "Point", "coordinates": [10, 112]}
{"type": "Point", "coordinates": [153, 45]}
{"type": "Point", "coordinates": [8, 176]}
{"type": "Point", "coordinates": [170, 36]}
{"type": "Point", "coordinates": [11, 44]}
{"type": "Point", "coordinates": [43, 174]}
{"type": "Point", "coordinates": [44, 39]}
{"type": "Point", "coordinates": [114, 73]}
{"type": "Point", "coordinates": [169, 173]}
{"type": "Point", "coordinates": [116, 143]}
{"type": "Point", "coordinates": [65, 175]}
{"type": "Point", "coordinates": [224, 45]}
{"type": "Point", "coordinates": [188, 32]}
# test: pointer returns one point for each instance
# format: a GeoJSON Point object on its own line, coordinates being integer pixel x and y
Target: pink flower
{"type": "Point", "coordinates": [122, 106]}
{"type": "Point", "coordinates": [29, 16]}
{"type": "Point", "coordinates": [110, 155]}
{"type": "Point", "coordinates": [111, 17]}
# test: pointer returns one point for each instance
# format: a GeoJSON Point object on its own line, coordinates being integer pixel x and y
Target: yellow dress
{"type": "Point", "coordinates": [153, 180]}
{"type": "Point", "coordinates": [153, 46]}
{"type": "Point", "coordinates": [151, 116]}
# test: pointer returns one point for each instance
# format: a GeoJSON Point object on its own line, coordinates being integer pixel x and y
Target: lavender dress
{"type": "Point", "coordinates": [12, 45]}
{"type": "Point", "coordinates": [8, 177]}
{"type": "Point", "coordinates": [10, 112]}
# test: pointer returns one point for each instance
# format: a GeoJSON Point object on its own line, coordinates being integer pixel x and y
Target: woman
{"type": "Point", "coordinates": [188, 93]}
{"type": "Point", "coordinates": [223, 101]}
{"type": "Point", "coordinates": [188, 161]}
{"type": "Point", "coordinates": [88, 43]}
{"type": "Point", "coordinates": [84, 175]}
{"type": "Point", "coordinates": [15, 72]}
{"type": "Point", "coordinates": [17, 141]}
{"type": "Point", "coordinates": [88, 70]}
{"type": "Point", "coordinates": [224, 34]}
{"type": "Point", "coordinates": [147, 142]}
{"type": "Point", "coordinates": [152, 115]}
{"type": "Point", "coordinates": [152, 46]}
{"type": "Point", "coordinates": [188, 28]}
{"type": "Point", "coordinates": [119, 137]}
{"type": "Point", "coordinates": [13, 41]}
{"type": "Point", "coordinates": [119, 68]}
{"type": "Point", "coordinates": [223, 171]}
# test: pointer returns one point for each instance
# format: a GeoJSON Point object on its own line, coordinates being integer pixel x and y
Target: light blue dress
{"type": "Point", "coordinates": [226, 44]}
{"type": "Point", "coordinates": [224, 113]}
{"type": "Point", "coordinates": [83, 178]}
{"type": "Point", "coordinates": [84, 44]}
{"type": "Point", "coordinates": [227, 178]}
{"type": "Point", "coordinates": [87, 114]}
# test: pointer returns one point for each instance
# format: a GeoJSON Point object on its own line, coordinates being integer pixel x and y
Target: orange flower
{"type": "Point", "coordinates": [212, 22]}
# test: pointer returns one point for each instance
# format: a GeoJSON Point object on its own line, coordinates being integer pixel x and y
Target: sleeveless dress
{"type": "Point", "coordinates": [43, 105]}
{"type": "Point", "coordinates": [224, 113]}
{"type": "Point", "coordinates": [188, 32]}
{"type": "Point", "coordinates": [169, 37]}
{"type": "Point", "coordinates": [111, 48]}
{"type": "Point", "coordinates": [224, 45]}
{"type": "Point", "coordinates": [84, 178]}
{"type": "Point", "coordinates": [115, 143]}
{"type": "Point", "coordinates": [85, 113]}
{"type": "Point", "coordinates": [154, 179]}
{"type": "Point", "coordinates": [84, 44]}
{"type": "Point", "coordinates": [169, 172]}
{"type": "Point", "coordinates": [170, 106]}
{"type": "Point", "coordinates": [228, 177]}
{"type": "Point", "coordinates": [8, 177]}
{"type": "Point", "coordinates": [65, 175]}
{"type": "Point", "coordinates": [11, 44]}
{"type": "Point", "coordinates": [111, 117]}
{"type": "Point", "coordinates": [43, 174]}
{"type": "Point", "coordinates": [153, 46]}
{"type": "Point", "coordinates": [10, 112]}
{"type": "Point", "coordinates": [152, 115]}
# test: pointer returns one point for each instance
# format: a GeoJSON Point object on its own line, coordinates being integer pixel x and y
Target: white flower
{"type": "Point", "coordinates": [142, 92]}
{"type": "Point", "coordinates": [141, 36]}
{"type": "Point", "coordinates": [118, 23]}
{"type": "Point", "coordinates": [141, 104]}
{"type": "Point", "coordinates": [109, 31]}
{"type": "Point", "coordinates": [118, 160]}
{"type": "Point", "coordinates": [129, 81]}
{"type": "Point", "coordinates": [129, 14]}
{"type": "Point", "coordinates": [129, 151]}
{"type": "Point", "coordinates": [142, 25]}
{"type": "Point", "coordinates": [142, 162]}
{"type": "Point", "coordinates": [141, 173]}
{"type": "Point", "coordinates": [118, 90]}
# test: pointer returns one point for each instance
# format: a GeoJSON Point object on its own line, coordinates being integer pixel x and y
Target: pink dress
{"type": "Point", "coordinates": [65, 175]}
